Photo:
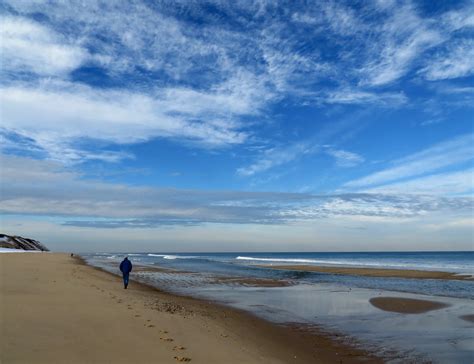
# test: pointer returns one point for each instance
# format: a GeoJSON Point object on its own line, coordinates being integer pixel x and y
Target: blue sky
{"type": "Point", "coordinates": [231, 126]}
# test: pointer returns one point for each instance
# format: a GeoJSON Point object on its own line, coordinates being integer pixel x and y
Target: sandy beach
{"type": "Point", "coordinates": [373, 272]}
{"type": "Point", "coordinates": [56, 309]}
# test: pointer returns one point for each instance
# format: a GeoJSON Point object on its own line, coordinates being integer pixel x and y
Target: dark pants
{"type": "Point", "coordinates": [125, 279]}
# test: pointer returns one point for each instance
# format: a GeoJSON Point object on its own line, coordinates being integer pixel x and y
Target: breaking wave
{"type": "Point", "coordinates": [173, 257]}
{"type": "Point", "coordinates": [289, 260]}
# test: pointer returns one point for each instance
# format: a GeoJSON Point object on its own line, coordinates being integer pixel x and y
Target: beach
{"type": "Point", "coordinates": [57, 309]}
{"type": "Point", "coordinates": [410, 317]}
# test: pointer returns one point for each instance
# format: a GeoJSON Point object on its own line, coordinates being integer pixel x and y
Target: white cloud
{"type": "Point", "coordinates": [444, 154]}
{"type": "Point", "coordinates": [34, 187]}
{"type": "Point", "coordinates": [352, 233]}
{"type": "Point", "coordinates": [146, 38]}
{"type": "Point", "coordinates": [460, 18]}
{"type": "Point", "coordinates": [457, 61]}
{"type": "Point", "coordinates": [135, 34]}
{"type": "Point", "coordinates": [207, 114]}
{"type": "Point", "coordinates": [334, 16]}
{"type": "Point", "coordinates": [344, 158]}
{"type": "Point", "coordinates": [403, 38]}
{"type": "Point", "coordinates": [450, 89]}
{"type": "Point", "coordinates": [197, 83]}
{"type": "Point", "coordinates": [274, 157]}
{"type": "Point", "coordinates": [357, 96]}
{"type": "Point", "coordinates": [242, 94]}
{"type": "Point", "coordinates": [27, 46]}
{"type": "Point", "coordinates": [452, 183]}
{"type": "Point", "coordinates": [116, 116]}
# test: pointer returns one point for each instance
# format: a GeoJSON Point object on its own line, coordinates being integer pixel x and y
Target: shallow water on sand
{"type": "Point", "coordinates": [337, 303]}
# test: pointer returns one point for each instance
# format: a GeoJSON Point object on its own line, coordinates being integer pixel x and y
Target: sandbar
{"type": "Point", "coordinates": [374, 272]}
{"type": "Point", "coordinates": [469, 318]}
{"type": "Point", "coordinates": [406, 305]}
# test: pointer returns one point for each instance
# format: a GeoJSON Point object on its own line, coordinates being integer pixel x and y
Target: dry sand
{"type": "Point", "coordinates": [373, 272]}
{"type": "Point", "coordinates": [55, 309]}
{"type": "Point", "coordinates": [405, 305]}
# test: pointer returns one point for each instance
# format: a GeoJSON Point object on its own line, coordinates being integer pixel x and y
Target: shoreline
{"type": "Point", "coordinates": [67, 310]}
{"type": "Point", "coordinates": [349, 353]}
{"type": "Point", "coordinates": [373, 272]}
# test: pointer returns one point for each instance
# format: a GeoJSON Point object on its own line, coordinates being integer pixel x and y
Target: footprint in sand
{"type": "Point", "coordinates": [151, 325]}
{"type": "Point", "coordinates": [166, 339]}
{"type": "Point", "coordinates": [163, 331]}
{"type": "Point", "coordinates": [177, 348]}
{"type": "Point", "coordinates": [182, 358]}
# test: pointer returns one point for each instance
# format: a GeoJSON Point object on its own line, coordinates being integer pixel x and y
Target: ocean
{"type": "Point", "coordinates": [337, 303]}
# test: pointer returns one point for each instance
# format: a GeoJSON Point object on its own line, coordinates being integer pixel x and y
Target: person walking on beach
{"type": "Point", "coordinates": [125, 268]}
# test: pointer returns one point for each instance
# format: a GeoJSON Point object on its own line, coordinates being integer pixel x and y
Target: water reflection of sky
{"type": "Point", "coordinates": [439, 335]}
{"type": "Point", "coordinates": [341, 304]}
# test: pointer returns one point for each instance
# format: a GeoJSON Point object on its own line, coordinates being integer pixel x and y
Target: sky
{"type": "Point", "coordinates": [181, 126]}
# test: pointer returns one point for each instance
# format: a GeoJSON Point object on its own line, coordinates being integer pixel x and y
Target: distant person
{"type": "Point", "coordinates": [125, 268]}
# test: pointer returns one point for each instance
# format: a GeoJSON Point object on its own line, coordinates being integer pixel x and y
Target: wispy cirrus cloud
{"type": "Point", "coordinates": [360, 96]}
{"type": "Point", "coordinates": [171, 95]}
{"type": "Point", "coordinates": [445, 154]}
{"type": "Point", "coordinates": [448, 183]}
{"type": "Point", "coordinates": [118, 117]}
{"type": "Point", "coordinates": [345, 158]}
{"type": "Point", "coordinates": [403, 37]}
{"type": "Point", "coordinates": [277, 156]}
{"type": "Point", "coordinates": [152, 70]}
{"type": "Point", "coordinates": [340, 19]}
{"type": "Point", "coordinates": [460, 18]}
{"type": "Point", "coordinates": [325, 141]}
{"type": "Point", "coordinates": [28, 46]}
{"type": "Point", "coordinates": [456, 61]}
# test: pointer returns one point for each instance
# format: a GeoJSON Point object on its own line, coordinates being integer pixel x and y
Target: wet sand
{"type": "Point", "coordinates": [469, 318]}
{"type": "Point", "coordinates": [374, 272]}
{"type": "Point", "coordinates": [242, 281]}
{"type": "Point", "coordinates": [405, 305]}
{"type": "Point", "coordinates": [56, 309]}
{"type": "Point", "coordinates": [254, 282]}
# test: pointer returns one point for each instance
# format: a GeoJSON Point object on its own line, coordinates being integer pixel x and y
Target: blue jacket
{"type": "Point", "coordinates": [126, 266]}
